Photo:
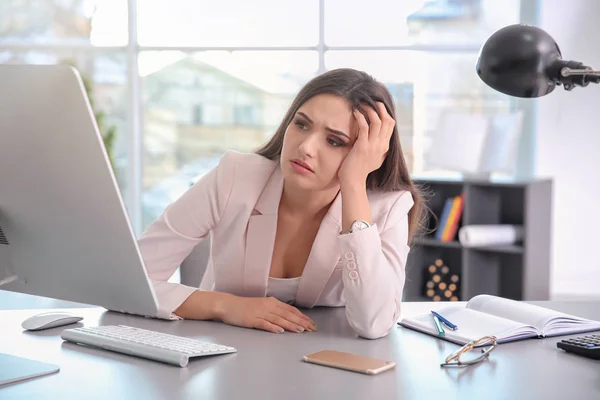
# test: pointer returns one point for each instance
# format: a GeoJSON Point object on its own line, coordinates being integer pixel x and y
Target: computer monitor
{"type": "Point", "coordinates": [64, 229]}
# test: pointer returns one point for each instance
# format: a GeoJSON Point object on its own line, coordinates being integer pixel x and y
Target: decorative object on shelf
{"type": "Point", "coordinates": [481, 144]}
{"type": "Point", "coordinates": [450, 218]}
{"type": "Point", "coordinates": [524, 61]}
{"type": "Point", "coordinates": [490, 235]}
{"type": "Point", "coordinates": [502, 144]}
{"type": "Point", "coordinates": [441, 284]}
{"type": "Point", "coordinates": [465, 134]}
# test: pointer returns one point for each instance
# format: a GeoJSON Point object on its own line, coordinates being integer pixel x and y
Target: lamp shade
{"type": "Point", "coordinates": [520, 60]}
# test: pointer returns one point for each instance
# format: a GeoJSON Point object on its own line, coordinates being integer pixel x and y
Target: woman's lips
{"type": "Point", "coordinates": [301, 167]}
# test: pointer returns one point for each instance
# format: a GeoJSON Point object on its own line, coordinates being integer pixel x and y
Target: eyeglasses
{"type": "Point", "coordinates": [460, 357]}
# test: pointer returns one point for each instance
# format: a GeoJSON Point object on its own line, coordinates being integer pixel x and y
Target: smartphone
{"type": "Point", "coordinates": [350, 362]}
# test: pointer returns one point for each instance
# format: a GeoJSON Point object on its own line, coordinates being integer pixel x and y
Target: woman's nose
{"type": "Point", "coordinates": [308, 145]}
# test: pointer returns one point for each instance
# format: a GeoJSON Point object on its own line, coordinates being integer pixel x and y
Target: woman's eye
{"type": "Point", "coordinates": [335, 143]}
{"type": "Point", "coordinates": [300, 125]}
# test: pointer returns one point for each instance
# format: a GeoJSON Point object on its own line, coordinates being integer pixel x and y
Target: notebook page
{"type": "Point", "coordinates": [472, 325]}
{"type": "Point", "coordinates": [515, 310]}
{"type": "Point", "coordinates": [569, 325]}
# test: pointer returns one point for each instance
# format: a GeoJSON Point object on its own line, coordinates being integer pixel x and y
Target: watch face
{"type": "Point", "coordinates": [358, 225]}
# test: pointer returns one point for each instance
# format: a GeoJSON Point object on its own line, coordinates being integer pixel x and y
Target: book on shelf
{"type": "Point", "coordinates": [450, 218]}
{"type": "Point", "coordinates": [508, 320]}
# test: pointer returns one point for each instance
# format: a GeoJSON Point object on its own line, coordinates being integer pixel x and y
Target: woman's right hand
{"type": "Point", "coordinates": [268, 314]}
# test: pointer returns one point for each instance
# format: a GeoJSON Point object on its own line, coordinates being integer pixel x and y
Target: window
{"type": "Point", "coordinates": [245, 114]}
{"type": "Point", "coordinates": [188, 80]}
{"type": "Point", "coordinates": [416, 22]}
{"type": "Point", "coordinates": [63, 22]}
{"type": "Point", "coordinates": [198, 116]}
{"type": "Point", "coordinates": [235, 23]}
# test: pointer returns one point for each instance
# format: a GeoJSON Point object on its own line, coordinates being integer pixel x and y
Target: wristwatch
{"type": "Point", "coordinates": [358, 225]}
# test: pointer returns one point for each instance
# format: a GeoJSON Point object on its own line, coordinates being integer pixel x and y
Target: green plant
{"type": "Point", "coordinates": [108, 132]}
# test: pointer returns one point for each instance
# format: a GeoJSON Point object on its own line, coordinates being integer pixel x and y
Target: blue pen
{"type": "Point", "coordinates": [445, 321]}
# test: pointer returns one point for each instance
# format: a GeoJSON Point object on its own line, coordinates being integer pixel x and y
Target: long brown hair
{"type": "Point", "coordinates": [358, 88]}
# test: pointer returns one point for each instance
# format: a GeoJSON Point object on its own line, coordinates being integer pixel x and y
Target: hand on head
{"type": "Point", "coordinates": [371, 146]}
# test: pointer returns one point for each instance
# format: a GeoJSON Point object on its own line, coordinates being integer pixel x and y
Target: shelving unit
{"type": "Point", "coordinates": [520, 271]}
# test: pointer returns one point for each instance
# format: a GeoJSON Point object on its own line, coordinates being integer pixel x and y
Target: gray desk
{"type": "Point", "coordinates": [269, 366]}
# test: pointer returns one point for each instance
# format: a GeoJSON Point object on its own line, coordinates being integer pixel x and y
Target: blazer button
{"type": "Point", "coordinates": [351, 265]}
{"type": "Point", "coordinates": [349, 255]}
{"type": "Point", "coordinates": [353, 275]}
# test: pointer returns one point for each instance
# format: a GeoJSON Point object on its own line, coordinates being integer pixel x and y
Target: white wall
{"type": "Point", "coordinates": [568, 150]}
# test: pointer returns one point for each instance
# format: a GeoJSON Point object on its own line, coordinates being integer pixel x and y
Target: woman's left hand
{"type": "Point", "coordinates": [371, 146]}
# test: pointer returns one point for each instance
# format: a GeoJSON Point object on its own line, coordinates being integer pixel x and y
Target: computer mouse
{"type": "Point", "coordinates": [48, 320]}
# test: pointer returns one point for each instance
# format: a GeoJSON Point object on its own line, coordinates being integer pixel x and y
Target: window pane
{"type": "Point", "coordinates": [197, 106]}
{"type": "Point", "coordinates": [228, 23]}
{"type": "Point", "coordinates": [99, 22]}
{"type": "Point", "coordinates": [424, 85]}
{"type": "Point", "coordinates": [395, 23]}
{"type": "Point", "coordinates": [107, 78]}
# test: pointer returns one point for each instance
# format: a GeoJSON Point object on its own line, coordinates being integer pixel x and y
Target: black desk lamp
{"type": "Point", "coordinates": [524, 61]}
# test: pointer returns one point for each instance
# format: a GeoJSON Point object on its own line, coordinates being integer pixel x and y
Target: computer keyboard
{"type": "Point", "coordinates": [587, 346]}
{"type": "Point", "coordinates": [170, 349]}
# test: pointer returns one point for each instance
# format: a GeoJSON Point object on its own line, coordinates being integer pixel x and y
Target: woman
{"type": "Point", "coordinates": [322, 215]}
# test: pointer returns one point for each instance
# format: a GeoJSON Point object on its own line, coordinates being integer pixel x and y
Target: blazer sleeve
{"type": "Point", "coordinates": [183, 224]}
{"type": "Point", "coordinates": [374, 272]}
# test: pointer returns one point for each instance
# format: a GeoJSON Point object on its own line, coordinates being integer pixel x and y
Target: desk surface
{"type": "Point", "coordinates": [269, 366]}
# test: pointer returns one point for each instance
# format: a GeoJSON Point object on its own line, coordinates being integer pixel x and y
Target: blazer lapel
{"type": "Point", "coordinates": [324, 256]}
{"type": "Point", "coordinates": [260, 237]}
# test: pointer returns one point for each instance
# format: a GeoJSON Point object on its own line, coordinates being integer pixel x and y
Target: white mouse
{"type": "Point", "coordinates": [50, 320]}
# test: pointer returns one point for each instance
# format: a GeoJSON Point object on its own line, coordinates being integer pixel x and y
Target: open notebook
{"type": "Point", "coordinates": [508, 320]}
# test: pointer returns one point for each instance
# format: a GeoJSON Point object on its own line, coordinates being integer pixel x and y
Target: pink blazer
{"type": "Point", "coordinates": [237, 201]}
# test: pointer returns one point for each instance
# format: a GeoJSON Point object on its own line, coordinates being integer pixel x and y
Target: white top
{"type": "Point", "coordinates": [283, 289]}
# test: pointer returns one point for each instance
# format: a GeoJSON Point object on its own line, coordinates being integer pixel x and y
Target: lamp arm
{"type": "Point", "coordinates": [569, 71]}
{"type": "Point", "coordinates": [573, 73]}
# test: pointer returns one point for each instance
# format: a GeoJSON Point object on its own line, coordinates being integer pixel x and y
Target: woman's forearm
{"type": "Point", "coordinates": [355, 204]}
{"type": "Point", "coordinates": [203, 305]}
